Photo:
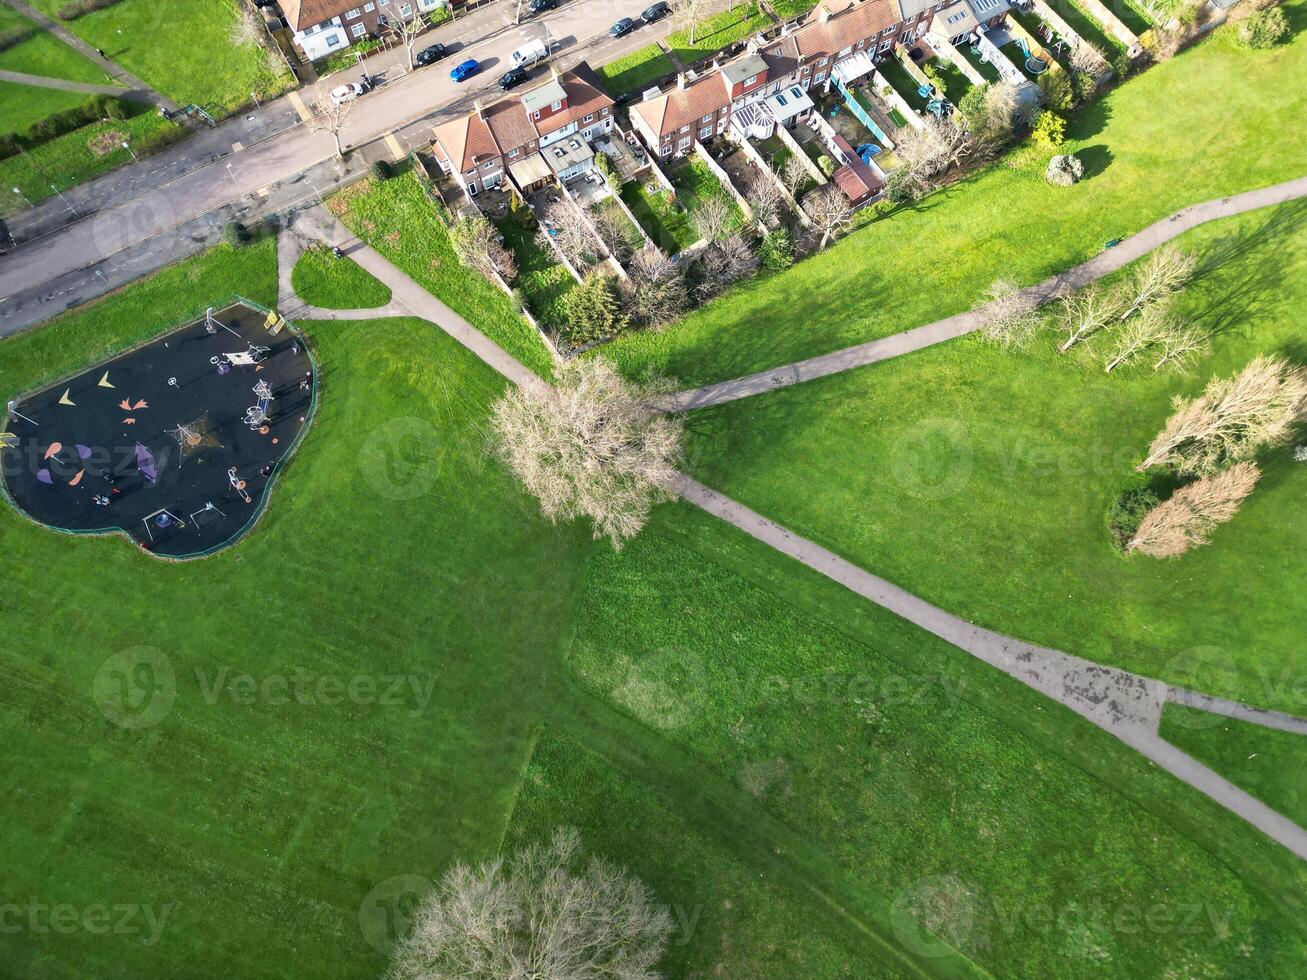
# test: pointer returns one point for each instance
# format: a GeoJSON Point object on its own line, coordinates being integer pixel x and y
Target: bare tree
{"type": "Point", "coordinates": [1088, 60]}
{"type": "Point", "coordinates": [594, 447]}
{"type": "Point", "coordinates": [687, 15]}
{"type": "Point", "coordinates": [477, 244]}
{"type": "Point", "coordinates": [571, 231]}
{"type": "Point", "coordinates": [407, 31]}
{"type": "Point", "coordinates": [794, 174]}
{"type": "Point", "coordinates": [331, 119]}
{"type": "Point", "coordinates": [829, 211]}
{"type": "Point", "coordinates": [611, 229]}
{"type": "Point", "coordinates": [1163, 273]}
{"type": "Point", "coordinates": [1086, 312]}
{"type": "Point", "coordinates": [765, 198]}
{"type": "Point", "coordinates": [1011, 318]}
{"type": "Point", "coordinates": [1192, 513]}
{"type": "Point", "coordinates": [937, 146]}
{"type": "Point", "coordinates": [544, 912]}
{"type": "Point", "coordinates": [1232, 419]}
{"type": "Point", "coordinates": [713, 216]}
{"type": "Point", "coordinates": [1158, 333]}
{"type": "Point", "coordinates": [725, 261]}
{"type": "Point", "coordinates": [655, 290]}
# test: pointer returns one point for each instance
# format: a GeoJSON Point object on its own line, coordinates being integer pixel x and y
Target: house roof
{"type": "Point", "coordinates": [912, 8]}
{"type": "Point", "coordinates": [839, 24]}
{"type": "Point", "coordinates": [530, 170]}
{"type": "Point", "coordinates": [742, 68]}
{"type": "Point", "coordinates": [685, 104]}
{"type": "Point", "coordinates": [954, 19]}
{"type": "Point", "coordinates": [547, 94]}
{"type": "Point", "coordinates": [305, 13]}
{"type": "Point", "coordinates": [567, 153]}
{"type": "Point", "coordinates": [856, 180]}
{"type": "Point", "coordinates": [467, 141]}
{"type": "Point", "coordinates": [507, 124]}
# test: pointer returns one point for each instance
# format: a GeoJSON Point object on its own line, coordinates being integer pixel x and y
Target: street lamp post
{"type": "Point", "coordinates": [128, 147]}
{"type": "Point", "coordinates": [22, 197]}
{"type": "Point", "coordinates": [71, 210]}
{"type": "Point", "coordinates": [233, 177]}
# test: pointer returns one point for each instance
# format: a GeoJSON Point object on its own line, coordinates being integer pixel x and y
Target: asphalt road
{"type": "Point", "coordinates": [71, 259]}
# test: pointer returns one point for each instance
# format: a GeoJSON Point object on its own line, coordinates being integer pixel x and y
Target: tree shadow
{"type": "Point", "coordinates": [1090, 119]}
{"type": "Point", "coordinates": [1096, 159]}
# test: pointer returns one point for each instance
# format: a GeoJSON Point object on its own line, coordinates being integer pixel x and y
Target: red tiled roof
{"type": "Point", "coordinates": [467, 141]}
{"type": "Point", "coordinates": [684, 106]}
{"type": "Point", "coordinates": [305, 13]}
{"type": "Point", "coordinates": [585, 96]}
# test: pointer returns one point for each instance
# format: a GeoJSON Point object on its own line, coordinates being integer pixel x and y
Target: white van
{"type": "Point", "coordinates": [530, 53]}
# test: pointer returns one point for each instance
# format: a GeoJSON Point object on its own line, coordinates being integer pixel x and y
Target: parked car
{"type": "Point", "coordinates": [465, 70]}
{"type": "Point", "coordinates": [540, 6]}
{"type": "Point", "coordinates": [657, 12]}
{"type": "Point", "coordinates": [512, 77]}
{"type": "Point", "coordinates": [429, 56]}
{"type": "Point", "coordinates": [623, 26]}
{"type": "Point", "coordinates": [346, 93]}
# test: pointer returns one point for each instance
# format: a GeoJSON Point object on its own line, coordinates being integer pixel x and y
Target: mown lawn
{"type": "Point", "coordinates": [986, 69]}
{"type": "Point", "coordinates": [74, 157]}
{"type": "Point", "coordinates": [667, 223]}
{"type": "Point", "coordinates": [397, 218]}
{"type": "Point", "coordinates": [886, 749]}
{"type": "Point", "coordinates": [184, 49]}
{"type": "Point", "coordinates": [321, 279]}
{"type": "Point", "coordinates": [44, 54]}
{"type": "Point", "coordinates": [543, 279]}
{"type": "Point", "coordinates": [1008, 221]}
{"type": "Point", "coordinates": [1084, 24]}
{"type": "Point", "coordinates": [393, 547]}
{"type": "Point", "coordinates": [981, 479]}
{"type": "Point", "coordinates": [718, 31]}
{"type": "Point", "coordinates": [22, 105]}
{"type": "Point", "coordinates": [789, 9]}
{"type": "Point", "coordinates": [636, 71]}
{"type": "Point", "coordinates": [903, 83]}
{"type": "Point", "coordinates": [1266, 762]}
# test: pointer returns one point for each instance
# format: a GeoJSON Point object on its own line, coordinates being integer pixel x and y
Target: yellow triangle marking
{"type": "Point", "coordinates": [8, 440]}
{"type": "Point", "coordinates": [65, 400]}
{"type": "Point", "coordinates": [104, 382]}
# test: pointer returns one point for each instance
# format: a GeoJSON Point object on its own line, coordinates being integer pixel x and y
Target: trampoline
{"type": "Point", "coordinates": [144, 444]}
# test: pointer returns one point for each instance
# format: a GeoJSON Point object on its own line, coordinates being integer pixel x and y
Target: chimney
{"type": "Point", "coordinates": [680, 81]}
{"type": "Point", "coordinates": [823, 14]}
{"type": "Point", "coordinates": [476, 107]}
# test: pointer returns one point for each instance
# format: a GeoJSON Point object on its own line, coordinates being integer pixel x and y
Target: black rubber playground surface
{"type": "Point", "coordinates": [161, 442]}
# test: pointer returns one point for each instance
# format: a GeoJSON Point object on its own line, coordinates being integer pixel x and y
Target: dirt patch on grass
{"type": "Point", "coordinates": [105, 143]}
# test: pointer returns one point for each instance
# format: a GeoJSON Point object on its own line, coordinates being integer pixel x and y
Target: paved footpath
{"type": "Point", "coordinates": [1123, 704]}
{"type": "Point", "coordinates": [44, 81]}
{"type": "Point", "coordinates": [950, 328]}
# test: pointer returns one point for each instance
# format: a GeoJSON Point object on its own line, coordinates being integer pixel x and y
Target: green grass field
{"type": "Point", "coordinates": [1008, 221]}
{"type": "Point", "coordinates": [22, 105]}
{"type": "Point", "coordinates": [636, 71]}
{"type": "Point", "coordinates": [668, 225]}
{"type": "Point", "coordinates": [717, 32]}
{"type": "Point", "coordinates": [183, 49]}
{"type": "Point", "coordinates": [321, 279]}
{"type": "Point", "coordinates": [44, 54]}
{"type": "Point", "coordinates": [401, 222]}
{"type": "Point", "coordinates": [941, 468]}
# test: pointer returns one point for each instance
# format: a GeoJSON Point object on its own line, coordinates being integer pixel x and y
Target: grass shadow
{"type": "Point", "coordinates": [1096, 159]}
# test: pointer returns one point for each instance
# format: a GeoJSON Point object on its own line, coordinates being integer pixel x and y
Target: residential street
{"type": "Point", "coordinates": [58, 265]}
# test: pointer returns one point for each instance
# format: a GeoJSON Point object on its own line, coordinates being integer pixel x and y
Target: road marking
{"type": "Point", "coordinates": [395, 148]}
{"type": "Point", "coordinates": [298, 105]}
{"type": "Point", "coordinates": [237, 146]}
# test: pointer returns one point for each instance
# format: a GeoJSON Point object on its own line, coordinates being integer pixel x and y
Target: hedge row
{"type": "Point", "coordinates": [65, 121]}
{"type": "Point", "coordinates": [15, 36]}
{"type": "Point", "coordinates": [71, 11]}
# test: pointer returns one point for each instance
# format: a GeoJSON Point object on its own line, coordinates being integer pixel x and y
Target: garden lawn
{"type": "Point", "coordinates": [392, 548]}
{"type": "Point", "coordinates": [321, 279]}
{"type": "Point", "coordinates": [789, 9]}
{"type": "Point", "coordinates": [400, 221]}
{"type": "Point", "coordinates": [986, 69]}
{"type": "Point", "coordinates": [1008, 221]}
{"type": "Point", "coordinates": [540, 275]}
{"type": "Point", "coordinates": [22, 105]}
{"type": "Point", "coordinates": [184, 49]}
{"type": "Point", "coordinates": [1266, 762]}
{"type": "Point", "coordinates": [980, 480]}
{"type": "Point", "coordinates": [903, 777]}
{"type": "Point", "coordinates": [71, 159]}
{"type": "Point", "coordinates": [667, 224]}
{"type": "Point", "coordinates": [1084, 24]}
{"type": "Point", "coordinates": [44, 54]}
{"type": "Point", "coordinates": [717, 32]}
{"type": "Point", "coordinates": [955, 83]}
{"type": "Point", "coordinates": [903, 83]}
{"type": "Point", "coordinates": [695, 184]}
{"type": "Point", "coordinates": [630, 234]}
{"type": "Point", "coordinates": [636, 71]}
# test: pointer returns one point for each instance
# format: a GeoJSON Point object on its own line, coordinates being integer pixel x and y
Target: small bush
{"type": "Point", "coordinates": [1264, 29]}
{"type": "Point", "coordinates": [1049, 130]}
{"type": "Point", "coordinates": [15, 36]}
{"type": "Point", "coordinates": [78, 8]}
{"type": "Point", "coordinates": [776, 251]}
{"type": "Point", "coordinates": [382, 170]}
{"type": "Point", "coordinates": [1126, 512]}
{"type": "Point", "coordinates": [65, 121]}
{"type": "Point", "coordinates": [235, 234]}
{"type": "Point", "coordinates": [826, 165]}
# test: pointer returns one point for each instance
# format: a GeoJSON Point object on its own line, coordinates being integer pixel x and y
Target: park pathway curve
{"type": "Point", "coordinates": [1125, 705]}
{"type": "Point", "coordinates": [950, 328]}
{"type": "Point", "coordinates": [89, 88]}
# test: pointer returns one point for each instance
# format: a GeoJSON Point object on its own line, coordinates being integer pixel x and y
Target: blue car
{"type": "Point", "coordinates": [464, 71]}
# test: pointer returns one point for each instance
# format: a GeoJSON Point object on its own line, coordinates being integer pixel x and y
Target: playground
{"type": "Point", "coordinates": [175, 444]}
